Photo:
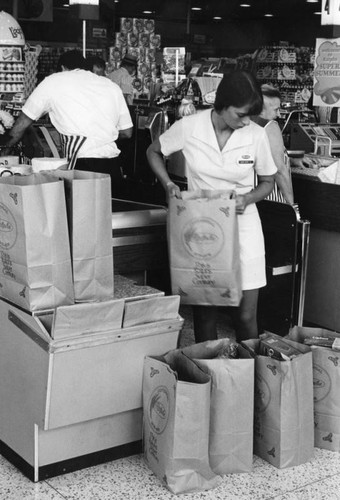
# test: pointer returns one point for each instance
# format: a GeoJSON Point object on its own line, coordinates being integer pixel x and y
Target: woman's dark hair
{"type": "Point", "coordinates": [269, 91]}
{"type": "Point", "coordinates": [238, 89]}
{"type": "Point", "coordinates": [72, 59]}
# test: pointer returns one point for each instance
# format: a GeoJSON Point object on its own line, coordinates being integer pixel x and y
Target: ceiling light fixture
{"type": "Point", "coordinates": [317, 13]}
{"type": "Point", "coordinates": [268, 15]}
{"type": "Point", "coordinates": [312, 1]}
{"type": "Point", "coordinates": [244, 5]}
{"type": "Point", "coordinates": [84, 2]}
{"type": "Point", "coordinates": [217, 18]}
{"type": "Point", "coordinates": [147, 11]}
{"type": "Point", "coordinates": [196, 8]}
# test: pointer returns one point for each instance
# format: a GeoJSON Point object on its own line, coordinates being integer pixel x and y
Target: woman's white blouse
{"type": "Point", "coordinates": [207, 167]}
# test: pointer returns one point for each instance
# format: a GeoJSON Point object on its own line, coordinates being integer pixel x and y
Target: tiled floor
{"type": "Point", "coordinates": [131, 479]}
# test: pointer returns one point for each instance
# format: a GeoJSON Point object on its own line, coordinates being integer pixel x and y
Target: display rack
{"type": "Point", "coordinates": [12, 76]}
{"type": "Point", "coordinates": [49, 56]}
{"type": "Point", "coordinates": [288, 68]}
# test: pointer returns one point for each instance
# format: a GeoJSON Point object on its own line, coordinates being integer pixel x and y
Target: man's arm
{"type": "Point", "coordinates": [282, 177]}
{"type": "Point", "coordinates": [125, 134]}
{"type": "Point", "coordinates": [15, 134]}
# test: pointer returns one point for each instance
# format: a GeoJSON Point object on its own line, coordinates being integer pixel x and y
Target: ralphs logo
{"type": "Point", "coordinates": [322, 383]}
{"type": "Point", "coordinates": [8, 228]}
{"type": "Point", "coordinates": [159, 409]}
{"type": "Point", "coordinates": [203, 238]}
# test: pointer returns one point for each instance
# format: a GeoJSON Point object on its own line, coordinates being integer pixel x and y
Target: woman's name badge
{"type": "Point", "coordinates": [245, 160]}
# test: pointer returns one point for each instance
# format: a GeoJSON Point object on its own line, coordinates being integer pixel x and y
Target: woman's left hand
{"type": "Point", "coordinates": [241, 203]}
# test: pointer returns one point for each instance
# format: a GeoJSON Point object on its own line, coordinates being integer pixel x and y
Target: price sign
{"type": "Point", "coordinates": [330, 12]}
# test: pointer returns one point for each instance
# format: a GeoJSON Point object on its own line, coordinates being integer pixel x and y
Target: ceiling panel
{"type": "Point", "coordinates": [228, 9]}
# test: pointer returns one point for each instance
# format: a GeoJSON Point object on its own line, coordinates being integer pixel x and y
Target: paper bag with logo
{"type": "Point", "coordinates": [176, 406]}
{"type": "Point", "coordinates": [88, 198]}
{"type": "Point", "coordinates": [204, 248]}
{"type": "Point", "coordinates": [283, 421]}
{"type": "Point", "coordinates": [326, 382]}
{"type": "Point", "coordinates": [231, 404]}
{"type": "Point", "coordinates": [35, 249]}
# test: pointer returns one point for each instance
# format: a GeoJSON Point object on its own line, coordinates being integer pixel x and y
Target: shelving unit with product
{"type": "Point", "coordinates": [288, 68]}
{"type": "Point", "coordinates": [12, 76]}
{"type": "Point", "coordinates": [49, 56]}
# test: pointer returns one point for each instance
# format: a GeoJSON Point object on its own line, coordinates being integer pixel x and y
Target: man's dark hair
{"type": "Point", "coordinates": [72, 59]}
{"type": "Point", "coordinates": [95, 61]}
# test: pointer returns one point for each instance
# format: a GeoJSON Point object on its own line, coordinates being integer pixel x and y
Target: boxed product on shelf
{"type": "Point", "coordinates": [126, 24]}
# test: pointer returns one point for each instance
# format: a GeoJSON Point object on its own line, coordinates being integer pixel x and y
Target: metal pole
{"type": "Point", "coordinates": [304, 261]}
{"type": "Point", "coordinates": [15, 8]}
{"type": "Point", "coordinates": [84, 38]}
{"type": "Point", "coordinates": [188, 17]}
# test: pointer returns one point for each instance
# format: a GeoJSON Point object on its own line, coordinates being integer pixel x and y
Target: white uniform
{"type": "Point", "coordinates": [231, 169]}
{"type": "Point", "coordinates": [80, 103]}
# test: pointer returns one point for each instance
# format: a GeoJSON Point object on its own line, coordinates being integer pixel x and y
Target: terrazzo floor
{"type": "Point", "coordinates": [131, 479]}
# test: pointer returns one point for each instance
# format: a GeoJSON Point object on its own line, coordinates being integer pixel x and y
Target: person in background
{"type": "Point", "coordinates": [223, 149]}
{"type": "Point", "coordinates": [283, 189]}
{"type": "Point", "coordinates": [88, 111]}
{"type": "Point", "coordinates": [124, 76]}
{"type": "Point", "coordinates": [97, 65]}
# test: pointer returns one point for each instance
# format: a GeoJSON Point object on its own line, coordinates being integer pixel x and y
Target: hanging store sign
{"type": "Point", "coordinates": [326, 91]}
{"type": "Point", "coordinates": [330, 12]}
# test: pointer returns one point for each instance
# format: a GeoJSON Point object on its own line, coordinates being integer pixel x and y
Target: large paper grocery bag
{"type": "Point", "coordinates": [326, 383]}
{"type": "Point", "coordinates": [176, 409]}
{"type": "Point", "coordinates": [204, 248]}
{"type": "Point", "coordinates": [231, 403]}
{"type": "Point", "coordinates": [36, 268]}
{"type": "Point", "coordinates": [283, 423]}
{"type": "Point", "coordinates": [89, 208]}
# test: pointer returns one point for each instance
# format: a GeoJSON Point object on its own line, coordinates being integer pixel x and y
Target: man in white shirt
{"type": "Point", "coordinates": [88, 111]}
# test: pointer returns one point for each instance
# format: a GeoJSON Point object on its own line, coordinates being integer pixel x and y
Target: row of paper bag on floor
{"type": "Point", "coordinates": [205, 415]}
{"type": "Point", "coordinates": [56, 238]}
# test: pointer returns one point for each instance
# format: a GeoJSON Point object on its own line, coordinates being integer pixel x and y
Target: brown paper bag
{"type": "Point", "coordinates": [204, 248]}
{"type": "Point", "coordinates": [88, 198]}
{"type": "Point", "coordinates": [326, 383]}
{"type": "Point", "coordinates": [35, 250]}
{"type": "Point", "coordinates": [231, 404]}
{"type": "Point", "coordinates": [283, 422]}
{"type": "Point", "coordinates": [176, 406]}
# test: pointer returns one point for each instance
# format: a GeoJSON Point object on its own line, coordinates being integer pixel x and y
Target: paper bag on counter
{"type": "Point", "coordinates": [231, 404]}
{"type": "Point", "coordinates": [46, 163]}
{"type": "Point", "coordinates": [283, 422]}
{"type": "Point", "coordinates": [204, 248]}
{"type": "Point", "coordinates": [326, 383]}
{"type": "Point", "coordinates": [176, 408]}
{"type": "Point", "coordinates": [36, 268]}
{"type": "Point", "coordinates": [88, 198]}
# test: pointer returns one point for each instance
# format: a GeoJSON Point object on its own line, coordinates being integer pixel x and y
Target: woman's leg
{"type": "Point", "coordinates": [246, 327]}
{"type": "Point", "coordinates": [205, 323]}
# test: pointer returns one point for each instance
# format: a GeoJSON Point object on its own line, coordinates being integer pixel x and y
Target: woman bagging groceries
{"type": "Point", "coordinates": [222, 148]}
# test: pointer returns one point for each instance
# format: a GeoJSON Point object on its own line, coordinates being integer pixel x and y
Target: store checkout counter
{"type": "Point", "coordinates": [139, 242]}
{"type": "Point", "coordinates": [320, 203]}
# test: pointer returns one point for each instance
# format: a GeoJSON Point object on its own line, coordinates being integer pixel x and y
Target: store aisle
{"type": "Point", "coordinates": [130, 479]}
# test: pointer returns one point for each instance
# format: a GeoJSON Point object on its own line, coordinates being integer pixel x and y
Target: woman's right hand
{"type": "Point", "coordinates": [173, 190]}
